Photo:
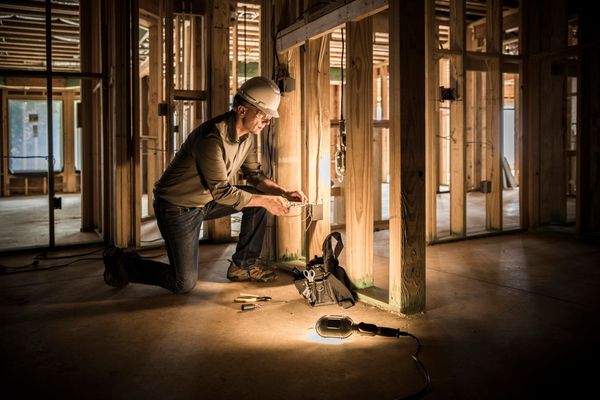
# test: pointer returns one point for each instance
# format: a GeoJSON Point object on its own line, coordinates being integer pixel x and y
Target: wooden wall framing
{"type": "Point", "coordinates": [407, 157]}
{"type": "Point", "coordinates": [219, 230]}
{"type": "Point", "coordinates": [317, 139]}
{"type": "Point", "coordinates": [359, 164]}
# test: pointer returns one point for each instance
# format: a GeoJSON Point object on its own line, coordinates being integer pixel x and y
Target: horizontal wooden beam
{"type": "Point", "coordinates": [55, 74]}
{"type": "Point", "coordinates": [299, 32]}
{"type": "Point", "coordinates": [199, 95]}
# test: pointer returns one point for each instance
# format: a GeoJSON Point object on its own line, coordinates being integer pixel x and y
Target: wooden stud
{"type": "Point", "coordinates": [169, 84]}
{"type": "Point", "coordinates": [432, 121]}
{"type": "Point", "coordinates": [553, 190]}
{"type": "Point", "coordinates": [288, 134]}
{"type": "Point", "coordinates": [154, 121]}
{"type": "Point", "coordinates": [588, 134]}
{"type": "Point", "coordinates": [267, 60]}
{"type": "Point", "coordinates": [5, 176]}
{"type": "Point", "coordinates": [385, 132]}
{"type": "Point", "coordinates": [134, 121]}
{"type": "Point", "coordinates": [407, 157]}
{"type": "Point", "coordinates": [377, 150]}
{"type": "Point", "coordinates": [120, 129]}
{"type": "Point", "coordinates": [493, 117]}
{"type": "Point", "coordinates": [458, 200]}
{"type": "Point", "coordinates": [359, 165]}
{"type": "Point", "coordinates": [317, 117]}
{"type": "Point", "coordinates": [219, 230]}
{"type": "Point", "coordinates": [89, 21]}
{"type": "Point", "coordinates": [69, 178]}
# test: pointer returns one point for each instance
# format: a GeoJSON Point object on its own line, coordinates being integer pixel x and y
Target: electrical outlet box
{"type": "Point", "coordinates": [286, 84]}
{"type": "Point", "coordinates": [317, 212]}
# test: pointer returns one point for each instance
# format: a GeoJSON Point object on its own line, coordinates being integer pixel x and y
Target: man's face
{"type": "Point", "coordinates": [254, 120]}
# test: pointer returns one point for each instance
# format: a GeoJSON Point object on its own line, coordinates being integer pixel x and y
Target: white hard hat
{"type": "Point", "coordinates": [262, 93]}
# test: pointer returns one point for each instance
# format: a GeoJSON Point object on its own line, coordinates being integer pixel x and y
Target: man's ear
{"type": "Point", "coordinates": [241, 109]}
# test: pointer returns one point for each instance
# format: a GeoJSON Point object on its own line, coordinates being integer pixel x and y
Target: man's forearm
{"type": "Point", "coordinates": [267, 186]}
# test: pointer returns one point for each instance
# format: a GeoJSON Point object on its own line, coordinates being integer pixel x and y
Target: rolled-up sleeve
{"type": "Point", "coordinates": [209, 158]}
{"type": "Point", "coordinates": [251, 168]}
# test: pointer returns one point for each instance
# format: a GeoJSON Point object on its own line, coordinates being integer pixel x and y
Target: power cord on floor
{"type": "Point", "coordinates": [341, 327]}
{"type": "Point", "coordinates": [415, 356]}
{"type": "Point", "coordinates": [34, 266]}
{"type": "Point", "coordinates": [44, 256]}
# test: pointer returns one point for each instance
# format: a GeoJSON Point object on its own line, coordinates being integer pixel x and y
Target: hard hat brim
{"type": "Point", "coordinates": [272, 113]}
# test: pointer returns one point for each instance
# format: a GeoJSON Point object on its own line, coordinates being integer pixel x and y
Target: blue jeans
{"type": "Point", "coordinates": [180, 229]}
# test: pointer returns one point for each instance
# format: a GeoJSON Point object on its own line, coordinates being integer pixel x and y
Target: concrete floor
{"type": "Point", "coordinates": [508, 317]}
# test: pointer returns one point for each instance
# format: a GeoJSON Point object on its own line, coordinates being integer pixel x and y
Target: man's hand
{"type": "Point", "coordinates": [276, 205]}
{"type": "Point", "coordinates": [267, 186]}
{"type": "Point", "coordinates": [295, 195]}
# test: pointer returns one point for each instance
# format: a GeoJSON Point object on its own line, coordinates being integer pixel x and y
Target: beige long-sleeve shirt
{"type": "Point", "coordinates": [202, 169]}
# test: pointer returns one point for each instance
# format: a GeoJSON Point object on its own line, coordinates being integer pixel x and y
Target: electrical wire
{"type": "Point", "coordinates": [34, 266]}
{"type": "Point", "coordinates": [6, 270]}
{"type": "Point", "coordinates": [415, 357]}
{"type": "Point", "coordinates": [43, 256]}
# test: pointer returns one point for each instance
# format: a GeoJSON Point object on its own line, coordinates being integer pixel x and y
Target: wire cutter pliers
{"type": "Point", "coordinates": [250, 298]}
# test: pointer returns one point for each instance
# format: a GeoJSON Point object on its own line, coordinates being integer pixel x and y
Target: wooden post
{"type": "Point", "coordinates": [120, 128]}
{"type": "Point", "coordinates": [432, 121]}
{"type": "Point", "coordinates": [407, 149]}
{"type": "Point", "coordinates": [553, 191]}
{"type": "Point", "coordinates": [458, 198]}
{"type": "Point", "coordinates": [169, 142]}
{"type": "Point", "coordinates": [134, 122]}
{"type": "Point", "coordinates": [199, 67]}
{"type": "Point", "coordinates": [89, 20]}
{"type": "Point", "coordinates": [267, 59]}
{"type": "Point", "coordinates": [219, 230]}
{"type": "Point", "coordinates": [359, 164]}
{"type": "Point", "coordinates": [385, 132]}
{"type": "Point", "coordinates": [588, 134]}
{"type": "Point", "coordinates": [377, 149]}
{"type": "Point", "coordinates": [69, 178]}
{"type": "Point", "coordinates": [377, 173]}
{"type": "Point", "coordinates": [154, 121]}
{"type": "Point", "coordinates": [317, 117]}
{"type": "Point", "coordinates": [493, 116]}
{"type": "Point", "coordinates": [289, 173]}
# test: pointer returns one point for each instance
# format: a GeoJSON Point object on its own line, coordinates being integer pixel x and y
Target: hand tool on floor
{"type": "Point", "coordinates": [249, 306]}
{"type": "Point", "coordinates": [251, 301]}
{"type": "Point", "coordinates": [250, 298]}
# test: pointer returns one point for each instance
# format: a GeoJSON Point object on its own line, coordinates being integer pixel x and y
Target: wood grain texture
{"type": "Point", "coordinates": [219, 230]}
{"type": "Point", "coordinates": [318, 137]}
{"type": "Point", "coordinates": [457, 121]}
{"type": "Point", "coordinates": [288, 134]}
{"type": "Point", "coordinates": [431, 120]}
{"type": "Point", "coordinates": [407, 148]}
{"type": "Point", "coordinates": [359, 165]}
{"type": "Point", "coordinates": [89, 20]}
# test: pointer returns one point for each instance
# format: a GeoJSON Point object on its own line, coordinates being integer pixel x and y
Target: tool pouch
{"type": "Point", "coordinates": [330, 284]}
{"type": "Point", "coordinates": [317, 291]}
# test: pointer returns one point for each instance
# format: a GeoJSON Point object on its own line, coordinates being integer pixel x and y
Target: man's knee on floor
{"type": "Point", "coordinates": [184, 286]}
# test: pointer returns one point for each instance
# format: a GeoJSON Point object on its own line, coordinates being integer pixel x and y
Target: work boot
{"type": "Point", "coordinates": [255, 272]}
{"type": "Point", "coordinates": [114, 273]}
